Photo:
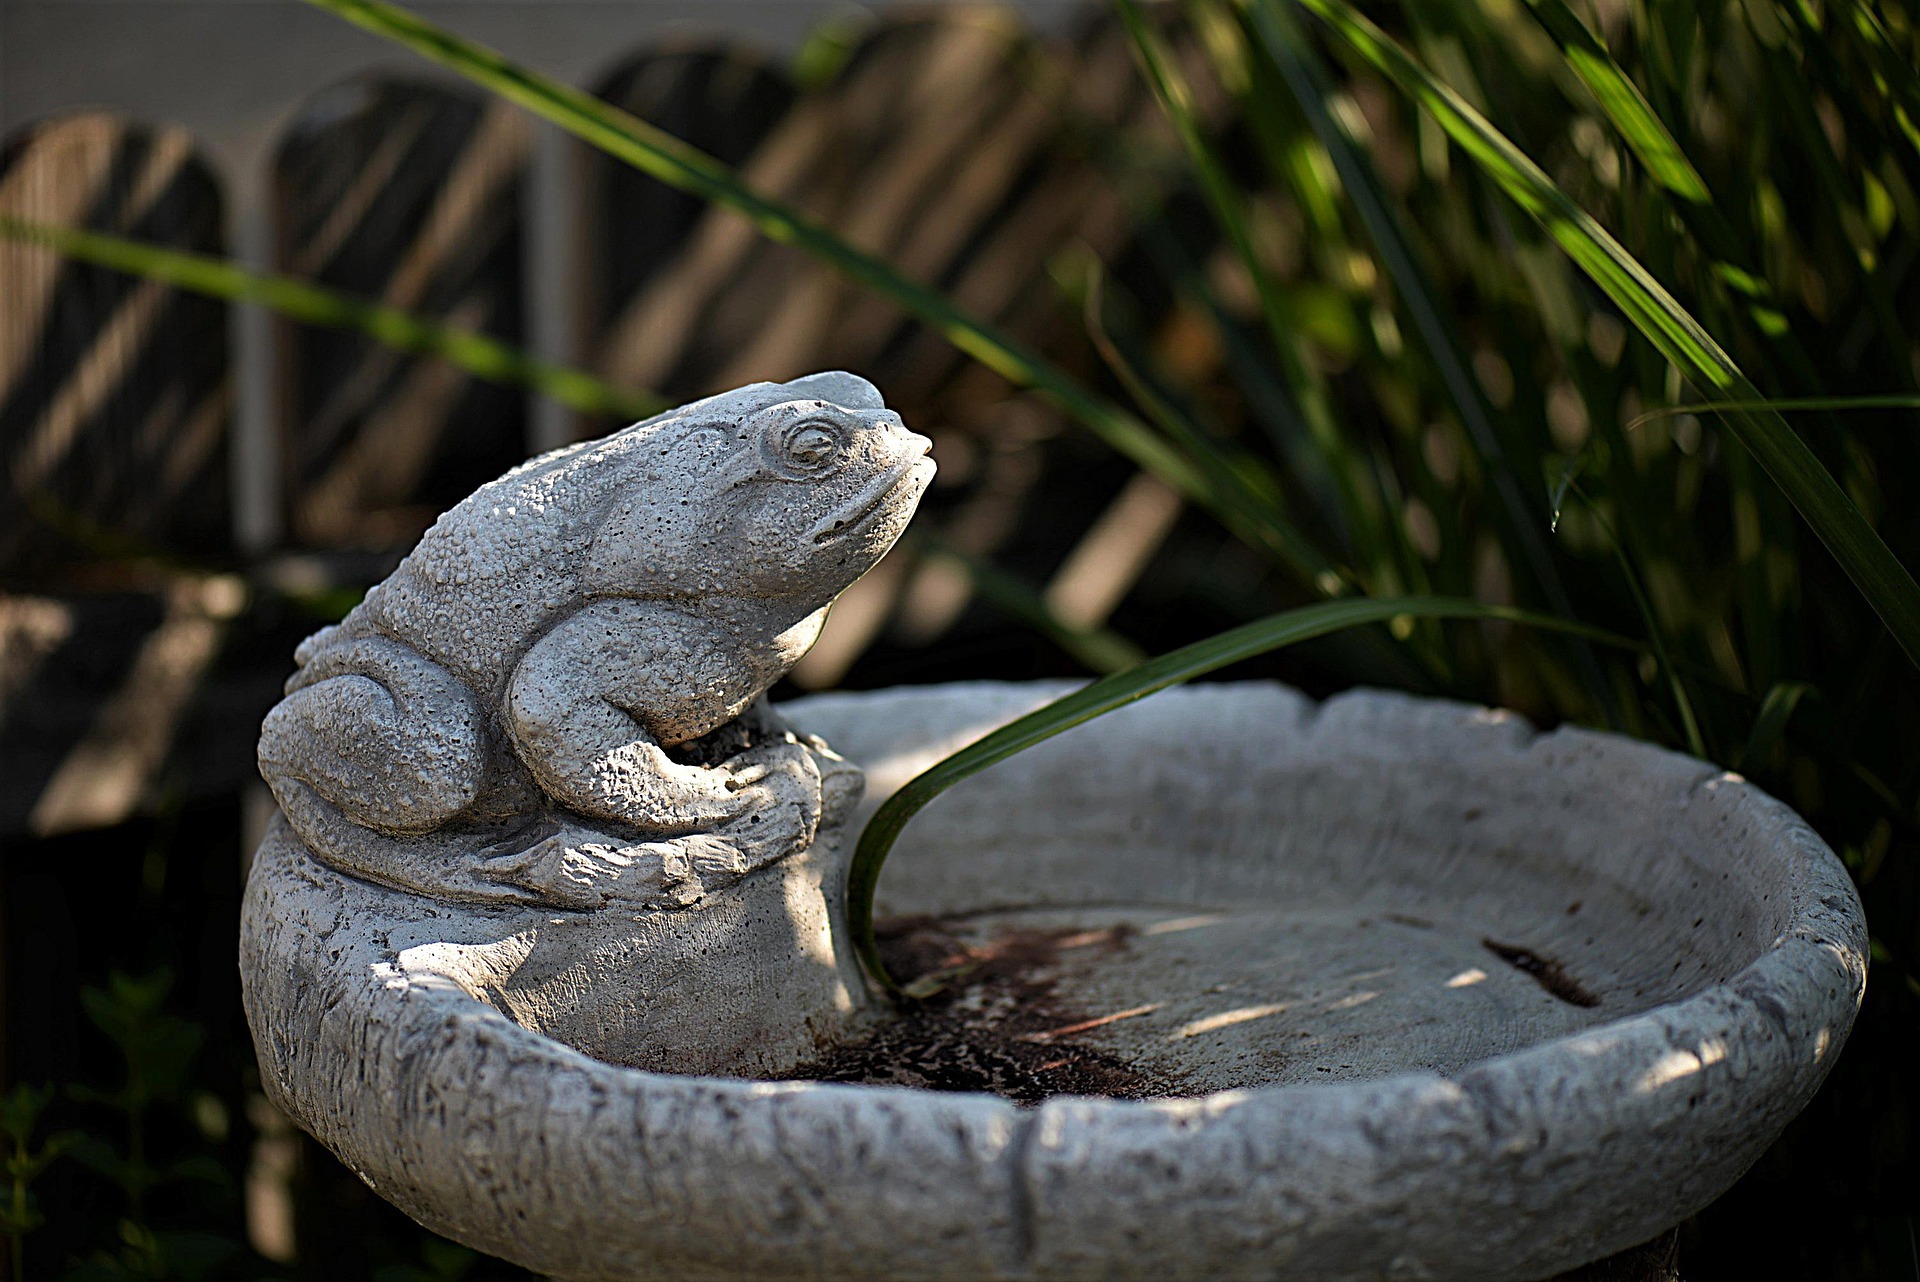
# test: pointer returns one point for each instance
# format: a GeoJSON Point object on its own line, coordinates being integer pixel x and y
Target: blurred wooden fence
{"type": "Point", "coordinates": [150, 440]}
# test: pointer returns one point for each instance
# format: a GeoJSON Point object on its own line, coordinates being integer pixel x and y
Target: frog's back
{"type": "Point", "coordinates": [495, 570]}
{"type": "Point", "coordinates": [490, 574]}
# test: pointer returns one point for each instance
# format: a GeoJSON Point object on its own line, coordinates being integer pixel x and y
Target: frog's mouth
{"type": "Point", "coordinates": [912, 473]}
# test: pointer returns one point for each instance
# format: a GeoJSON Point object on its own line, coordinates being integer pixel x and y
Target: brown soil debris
{"type": "Point", "coordinates": [1544, 971]}
{"type": "Point", "coordinates": [990, 1021]}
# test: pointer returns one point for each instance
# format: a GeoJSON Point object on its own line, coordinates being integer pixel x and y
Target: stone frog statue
{"type": "Point", "coordinates": [558, 697]}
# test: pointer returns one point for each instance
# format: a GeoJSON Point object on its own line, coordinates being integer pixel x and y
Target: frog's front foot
{"type": "Point", "coordinates": [842, 783]}
{"type": "Point", "coordinates": [777, 784]}
{"type": "Point", "coordinates": [773, 810]}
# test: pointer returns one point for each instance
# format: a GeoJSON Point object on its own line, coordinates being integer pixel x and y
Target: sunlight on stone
{"type": "Point", "coordinates": [1358, 999]}
{"type": "Point", "coordinates": [1675, 1065]}
{"type": "Point", "coordinates": [812, 932]}
{"type": "Point", "coordinates": [1226, 1019]}
{"type": "Point", "coordinates": [1472, 975]}
{"type": "Point", "coordinates": [1670, 1067]}
{"type": "Point", "coordinates": [1182, 923]}
{"type": "Point", "coordinates": [479, 970]}
{"type": "Point", "coordinates": [1206, 1106]}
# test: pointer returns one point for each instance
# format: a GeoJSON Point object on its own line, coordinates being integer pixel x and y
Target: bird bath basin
{"type": "Point", "coordinates": [1387, 987]}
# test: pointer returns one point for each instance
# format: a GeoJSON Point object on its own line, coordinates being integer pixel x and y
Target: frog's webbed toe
{"type": "Point", "coordinates": [580, 866]}
{"type": "Point", "coordinates": [390, 739]}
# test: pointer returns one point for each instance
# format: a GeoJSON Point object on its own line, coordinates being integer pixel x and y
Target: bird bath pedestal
{"type": "Point", "coordinates": [1377, 988]}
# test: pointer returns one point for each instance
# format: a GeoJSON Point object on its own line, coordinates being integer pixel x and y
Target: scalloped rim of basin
{"type": "Point", "coordinates": [1513, 1167]}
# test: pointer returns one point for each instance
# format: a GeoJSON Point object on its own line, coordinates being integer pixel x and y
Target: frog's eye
{"type": "Point", "coordinates": [811, 447]}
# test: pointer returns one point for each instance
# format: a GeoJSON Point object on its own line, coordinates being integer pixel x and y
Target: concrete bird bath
{"type": "Point", "coordinates": [1395, 989]}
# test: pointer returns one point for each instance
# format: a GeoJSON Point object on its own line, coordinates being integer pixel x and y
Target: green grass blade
{"type": "Point", "coordinates": [1743, 302]}
{"type": "Point", "coordinates": [1656, 631]}
{"type": "Point", "coordinates": [660, 155]}
{"type": "Point", "coordinates": [1623, 102]}
{"type": "Point", "coordinates": [1142, 173]}
{"type": "Point", "coordinates": [1770, 725]}
{"type": "Point", "coordinates": [1281, 40]}
{"type": "Point", "coordinates": [1117, 691]}
{"type": "Point", "coordinates": [300, 300]}
{"type": "Point", "coordinates": [1886, 584]}
{"type": "Point", "coordinates": [1894, 74]}
{"type": "Point", "coordinates": [1667, 163]}
{"type": "Point", "coordinates": [1365, 519]}
{"type": "Point", "coordinates": [1750, 303]}
{"type": "Point", "coordinates": [1786, 404]}
{"type": "Point", "coordinates": [1831, 179]}
{"type": "Point", "coordinates": [1270, 401]}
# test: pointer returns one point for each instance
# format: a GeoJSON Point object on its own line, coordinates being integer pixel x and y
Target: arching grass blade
{"type": "Point", "coordinates": [1117, 691]}
{"type": "Point", "coordinates": [1623, 102]}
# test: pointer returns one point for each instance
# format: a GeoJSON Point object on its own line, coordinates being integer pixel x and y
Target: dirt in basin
{"type": "Point", "coordinates": [991, 1019]}
{"type": "Point", "coordinates": [1544, 971]}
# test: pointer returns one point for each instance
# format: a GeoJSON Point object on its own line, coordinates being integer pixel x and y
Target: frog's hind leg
{"type": "Point", "coordinates": [449, 864]}
{"type": "Point", "coordinates": [385, 736]}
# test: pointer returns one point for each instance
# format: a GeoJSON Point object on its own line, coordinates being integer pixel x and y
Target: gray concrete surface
{"type": "Point", "coordinates": [1566, 989]}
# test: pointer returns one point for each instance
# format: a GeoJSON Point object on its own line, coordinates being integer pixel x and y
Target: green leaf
{"type": "Point", "coordinates": [1224, 196]}
{"type": "Point", "coordinates": [1885, 583]}
{"type": "Point", "coordinates": [20, 1110]}
{"type": "Point", "coordinates": [1306, 310]}
{"type": "Point", "coordinates": [1667, 163]}
{"type": "Point", "coordinates": [312, 304]}
{"type": "Point", "coordinates": [1270, 401]}
{"type": "Point", "coordinates": [1623, 102]}
{"type": "Point", "coordinates": [1894, 74]}
{"type": "Point", "coordinates": [1117, 691]}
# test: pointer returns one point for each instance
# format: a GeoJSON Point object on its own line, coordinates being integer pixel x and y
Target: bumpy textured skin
{"type": "Point", "coordinates": [557, 696]}
{"type": "Point", "coordinates": [465, 1059]}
